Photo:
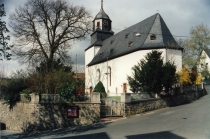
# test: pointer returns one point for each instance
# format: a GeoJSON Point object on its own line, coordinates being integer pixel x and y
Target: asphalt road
{"type": "Point", "coordinates": [190, 121]}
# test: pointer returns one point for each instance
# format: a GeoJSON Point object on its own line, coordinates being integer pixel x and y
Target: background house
{"type": "Point", "coordinates": [203, 65]}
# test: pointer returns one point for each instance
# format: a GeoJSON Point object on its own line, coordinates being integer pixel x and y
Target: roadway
{"type": "Point", "coordinates": [190, 121]}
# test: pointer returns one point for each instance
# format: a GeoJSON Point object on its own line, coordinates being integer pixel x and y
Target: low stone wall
{"type": "Point", "coordinates": [141, 106]}
{"type": "Point", "coordinates": [43, 116]}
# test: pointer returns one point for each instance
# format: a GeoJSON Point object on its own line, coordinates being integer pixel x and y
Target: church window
{"type": "Point", "coordinates": [98, 24]}
{"type": "Point", "coordinates": [110, 75]}
{"type": "Point", "coordinates": [98, 74]}
{"type": "Point", "coordinates": [130, 44]}
{"type": "Point", "coordinates": [153, 37]}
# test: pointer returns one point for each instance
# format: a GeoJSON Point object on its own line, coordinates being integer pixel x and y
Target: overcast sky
{"type": "Point", "coordinates": [179, 15]}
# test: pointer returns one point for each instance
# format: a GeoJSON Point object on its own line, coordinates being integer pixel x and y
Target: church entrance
{"type": "Point", "coordinates": [124, 88]}
{"type": "Point", "coordinates": [91, 90]}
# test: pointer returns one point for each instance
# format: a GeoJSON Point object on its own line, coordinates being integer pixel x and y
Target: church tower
{"type": "Point", "coordinates": [102, 26]}
{"type": "Point", "coordinates": [102, 29]}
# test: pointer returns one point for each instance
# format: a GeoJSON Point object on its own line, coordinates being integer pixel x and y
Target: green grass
{"type": "Point", "coordinates": [115, 97]}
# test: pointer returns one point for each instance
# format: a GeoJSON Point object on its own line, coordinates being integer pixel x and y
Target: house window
{"type": "Point", "coordinates": [110, 75]}
{"type": "Point", "coordinates": [130, 44]}
{"type": "Point", "coordinates": [98, 24]}
{"type": "Point", "coordinates": [152, 37]}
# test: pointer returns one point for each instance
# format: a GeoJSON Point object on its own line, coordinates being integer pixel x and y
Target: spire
{"type": "Point", "coordinates": [102, 14]}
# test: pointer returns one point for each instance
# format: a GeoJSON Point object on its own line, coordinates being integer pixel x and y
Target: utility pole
{"type": "Point", "coordinates": [76, 66]}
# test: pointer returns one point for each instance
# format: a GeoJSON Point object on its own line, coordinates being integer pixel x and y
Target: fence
{"type": "Point", "coordinates": [178, 89]}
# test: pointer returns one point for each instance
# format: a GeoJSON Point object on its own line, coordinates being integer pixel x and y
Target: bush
{"type": "Point", "coordinates": [184, 77]}
{"type": "Point", "coordinates": [67, 91]}
{"type": "Point", "coordinates": [12, 90]}
{"type": "Point", "coordinates": [26, 93]}
{"type": "Point", "coordinates": [100, 89]}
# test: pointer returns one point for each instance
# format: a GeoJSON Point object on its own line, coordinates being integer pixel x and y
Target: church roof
{"type": "Point", "coordinates": [135, 38]}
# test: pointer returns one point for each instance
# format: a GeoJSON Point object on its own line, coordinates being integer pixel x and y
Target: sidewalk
{"type": "Point", "coordinates": [109, 119]}
{"type": "Point", "coordinates": [9, 132]}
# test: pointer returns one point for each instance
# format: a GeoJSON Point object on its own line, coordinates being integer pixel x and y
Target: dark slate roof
{"type": "Point", "coordinates": [102, 14]}
{"type": "Point", "coordinates": [119, 47]}
{"type": "Point", "coordinates": [207, 52]}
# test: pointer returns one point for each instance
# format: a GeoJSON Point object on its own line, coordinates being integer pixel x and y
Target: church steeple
{"type": "Point", "coordinates": [102, 26]}
{"type": "Point", "coordinates": [102, 14]}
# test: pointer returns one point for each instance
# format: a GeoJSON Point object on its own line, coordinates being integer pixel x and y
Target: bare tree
{"type": "Point", "coordinates": [45, 29]}
{"type": "Point", "coordinates": [199, 41]}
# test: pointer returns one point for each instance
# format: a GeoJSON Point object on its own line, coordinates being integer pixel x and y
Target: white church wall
{"type": "Point", "coordinates": [120, 68]}
{"type": "Point", "coordinates": [176, 57]}
{"type": "Point", "coordinates": [89, 54]}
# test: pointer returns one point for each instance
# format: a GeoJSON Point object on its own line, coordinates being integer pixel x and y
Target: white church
{"type": "Point", "coordinates": [110, 56]}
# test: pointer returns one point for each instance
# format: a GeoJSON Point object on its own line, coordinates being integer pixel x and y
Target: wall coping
{"type": "Point", "coordinates": [86, 102]}
{"type": "Point", "coordinates": [72, 103]}
{"type": "Point", "coordinates": [143, 100]}
{"type": "Point", "coordinates": [154, 99]}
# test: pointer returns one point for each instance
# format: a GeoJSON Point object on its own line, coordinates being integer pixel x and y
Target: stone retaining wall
{"type": "Point", "coordinates": [29, 116]}
{"type": "Point", "coordinates": [141, 106]}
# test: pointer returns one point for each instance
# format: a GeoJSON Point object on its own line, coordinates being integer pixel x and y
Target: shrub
{"type": "Point", "coordinates": [169, 75]}
{"type": "Point", "coordinates": [26, 93]}
{"type": "Point", "coordinates": [198, 79]}
{"type": "Point", "coordinates": [12, 90]}
{"type": "Point", "coordinates": [100, 88]}
{"type": "Point", "coordinates": [184, 77]}
{"type": "Point", "coordinates": [67, 91]}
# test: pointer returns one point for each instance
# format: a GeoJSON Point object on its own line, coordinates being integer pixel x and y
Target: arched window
{"type": "Point", "coordinates": [98, 74]}
{"type": "Point", "coordinates": [110, 75]}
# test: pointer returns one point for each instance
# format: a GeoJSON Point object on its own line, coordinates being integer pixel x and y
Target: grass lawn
{"type": "Point", "coordinates": [115, 97]}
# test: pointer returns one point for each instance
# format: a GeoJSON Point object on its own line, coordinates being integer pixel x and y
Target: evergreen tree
{"type": "Point", "coordinates": [147, 74]}
{"type": "Point", "coordinates": [151, 75]}
{"type": "Point", "coordinates": [100, 88]}
{"type": "Point", "coordinates": [4, 47]}
{"type": "Point", "coordinates": [169, 75]}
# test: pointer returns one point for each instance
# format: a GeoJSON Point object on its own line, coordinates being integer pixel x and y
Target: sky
{"type": "Point", "coordinates": [179, 15]}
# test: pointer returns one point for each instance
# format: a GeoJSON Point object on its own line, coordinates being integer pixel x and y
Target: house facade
{"type": "Point", "coordinates": [204, 62]}
{"type": "Point", "coordinates": [110, 57]}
